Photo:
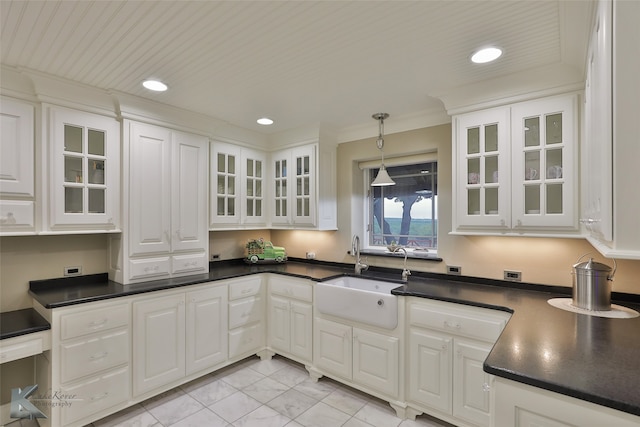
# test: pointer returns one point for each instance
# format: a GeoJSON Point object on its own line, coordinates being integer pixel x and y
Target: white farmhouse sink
{"type": "Point", "coordinates": [363, 300]}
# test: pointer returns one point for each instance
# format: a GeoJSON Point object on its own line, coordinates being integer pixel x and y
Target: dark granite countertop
{"type": "Point", "coordinates": [21, 322]}
{"type": "Point", "coordinates": [591, 358]}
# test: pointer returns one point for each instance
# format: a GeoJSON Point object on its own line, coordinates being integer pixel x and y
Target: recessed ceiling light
{"type": "Point", "coordinates": [486, 55]}
{"type": "Point", "coordinates": [154, 85]}
{"type": "Point", "coordinates": [265, 121]}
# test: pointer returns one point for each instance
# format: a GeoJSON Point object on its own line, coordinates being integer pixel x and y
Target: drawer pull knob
{"type": "Point", "coordinates": [99, 356]}
{"type": "Point", "coordinates": [448, 324]}
{"type": "Point", "coordinates": [100, 396]}
{"type": "Point", "coordinates": [245, 291]}
{"type": "Point", "coordinates": [380, 302]}
{"type": "Point", "coordinates": [98, 324]}
{"type": "Point", "coordinates": [486, 387]}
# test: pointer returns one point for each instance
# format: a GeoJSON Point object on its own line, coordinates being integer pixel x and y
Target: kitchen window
{"type": "Point", "coordinates": [404, 214]}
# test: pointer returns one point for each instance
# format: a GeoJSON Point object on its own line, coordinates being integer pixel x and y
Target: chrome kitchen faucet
{"type": "Point", "coordinates": [355, 250]}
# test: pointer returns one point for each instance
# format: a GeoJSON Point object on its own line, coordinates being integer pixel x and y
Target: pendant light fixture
{"type": "Point", "coordinates": [383, 179]}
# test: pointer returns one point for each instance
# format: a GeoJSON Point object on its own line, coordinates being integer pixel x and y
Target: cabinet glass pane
{"type": "Point", "coordinates": [491, 138]}
{"type": "Point", "coordinates": [554, 198]}
{"type": "Point", "coordinates": [299, 207]}
{"type": "Point", "coordinates": [258, 169]}
{"type": "Point", "coordinates": [554, 128]}
{"type": "Point", "coordinates": [249, 167]}
{"type": "Point", "coordinates": [473, 201]}
{"type": "Point", "coordinates": [250, 208]}
{"type": "Point", "coordinates": [491, 201]}
{"type": "Point", "coordinates": [96, 200]}
{"type": "Point", "coordinates": [306, 165]}
{"type": "Point", "coordinates": [532, 199]}
{"type": "Point", "coordinates": [73, 200]}
{"type": "Point", "coordinates": [258, 207]}
{"type": "Point", "coordinates": [221, 186]}
{"type": "Point", "coordinates": [258, 188]}
{"type": "Point", "coordinates": [491, 169]}
{"type": "Point", "coordinates": [532, 132]}
{"type": "Point", "coordinates": [298, 186]}
{"type": "Point", "coordinates": [221, 209]}
{"type": "Point", "coordinates": [277, 169]}
{"type": "Point", "coordinates": [222, 162]}
{"type": "Point", "coordinates": [278, 208]}
{"type": "Point", "coordinates": [306, 186]}
{"type": "Point", "coordinates": [473, 140]}
{"type": "Point", "coordinates": [231, 206]}
{"type": "Point", "coordinates": [554, 163]}
{"type": "Point", "coordinates": [95, 139]}
{"type": "Point", "coordinates": [231, 185]}
{"type": "Point", "coordinates": [250, 187]}
{"type": "Point", "coordinates": [284, 168]}
{"type": "Point", "coordinates": [473, 171]}
{"type": "Point", "coordinates": [73, 139]}
{"type": "Point", "coordinates": [532, 165]}
{"type": "Point", "coordinates": [73, 169]}
{"type": "Point", "coordinates": [96, 172]}
{"type": "Point", "coordinates": [306, 207]}
{"type": "Point", "coordinates": [284, 188]}
{"type": "Point", "coordinates": [284, 207]}
{"type": "Point", "coordinates": [277, 189]}
{"type": "Point", "coordinates": [231, 164]}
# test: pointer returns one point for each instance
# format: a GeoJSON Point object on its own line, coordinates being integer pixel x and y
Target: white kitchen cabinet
{"type": "Point", "coordinates": [237, 198]}
{"type": "Point", "coordinates": [17, 190]}
{"type": "Point", "coordinates": [247, 332]}
{"type": "Point", "coordinates": [521, 405]}
{"type": "Point", "coordinates": [158, 341]}
{"type": "Point", "coordinates": [515, 169]}
{"type": "Point", "coordinates": [165, 230]}
{"type": "Point", "coordinates": [81, 182]}
{"type": "Point", "coordinates": [290, 318]}
{"type": "Point", "coordinates": [366, 358]}
{"type": "Point", "coordinates": [90, 358]}
{"type": "Point", "coordinates": [177, 334]}
{"type": "Point", "coordinates": [448, 344]}
{"type": "Point", "coordinates": [304, 187]}
{"type": "Point", "coordinates": [206, 326]}
{"type": "Point", "coordinates": [611, 128]}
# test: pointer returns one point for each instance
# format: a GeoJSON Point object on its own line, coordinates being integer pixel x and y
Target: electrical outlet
{"type": "Point", "coordinates": [454, 269]}
{"type": "Point", "coordinates": [73, 271]}
{"type": "Point", "coordinates": [311, 255]}
{"type": "Point", "coordinates": [214, 257]}
{"type": "Point", "coordinates": [514, 276]}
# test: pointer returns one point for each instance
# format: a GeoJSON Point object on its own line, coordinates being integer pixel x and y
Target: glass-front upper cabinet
{"type": "Point", "coordinates": [225, 184]}
{"type": "Point", "coordinates": [483, 168]}
{"type": "Point", "coordinates": [254, 179]}
{"type": "Point", "coordinates": [304, 193]}
{"type": "Point", "coordinates": [85, 171]}
{"type": "Point", "coordinates": [544, 139]}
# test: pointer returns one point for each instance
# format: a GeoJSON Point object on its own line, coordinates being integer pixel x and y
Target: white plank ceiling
{"type": "Point", "coordinates": [299, 62]}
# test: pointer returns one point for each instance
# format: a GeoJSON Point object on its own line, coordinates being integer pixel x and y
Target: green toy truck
{"type": "Point", "coordinates": [262, 251]}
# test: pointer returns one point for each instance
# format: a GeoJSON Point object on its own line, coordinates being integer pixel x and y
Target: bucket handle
{"type": "Point", "coordinates": [615, 266]}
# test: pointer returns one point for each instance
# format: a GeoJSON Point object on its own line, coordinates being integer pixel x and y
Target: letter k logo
{"type": "Point", "coordinates": [21, 407]}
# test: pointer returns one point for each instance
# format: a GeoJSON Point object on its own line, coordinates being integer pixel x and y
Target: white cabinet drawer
{"type": "Point", "coordinates": [245, 287]}
{"type": "Point", "coordinates": [97, 394]}
{"type": "Point", "coordinates": [245, 340]}
{"type": "Point", "coordinates": [245, 311]}
{"type": "Point", "coordinates": [475, 322]}
{"type": "Point", "coordinates": [190, 263]}
{"type": "Point", "coordinates": [12, 350]}
{"type": "Point", "coordinates": [93, 354]}
{"type": "Point", "coordinates": [297, 289]}
{"type": "Point", "coordinates": [149, 267]}
{"type": "Point", "coordinates": [87, 322]}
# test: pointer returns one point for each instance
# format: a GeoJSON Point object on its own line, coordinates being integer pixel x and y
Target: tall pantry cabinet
{"type": "Point", "coordinates": [165, 224]}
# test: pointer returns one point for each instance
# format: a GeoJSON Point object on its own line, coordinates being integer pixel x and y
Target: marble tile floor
{"type": "Point", "coordinates": [256, 393]}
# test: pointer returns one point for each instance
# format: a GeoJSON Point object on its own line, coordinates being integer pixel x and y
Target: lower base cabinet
{"type": "Point", "coordinates": [177, 335]}
{"type": "Point", "coordinates": [520, 405]}
{"type": "Point", "coordinates": [369, 359]}
{"type": "Point", "coordinates": [448, 344]}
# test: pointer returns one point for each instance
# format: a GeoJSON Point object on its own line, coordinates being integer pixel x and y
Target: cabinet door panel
{"type": "Point", "coordinates": [150, 189]}
{"type": "Point", "coordinates": [471, 398]}
{"type": "Point", "coordinates": [333, 349]}
{"type": "Point", "coordinates": [279, 323]}
{"type": "Point", "coordinates": [430, 368]}
{"type": "Point", "coordinates": [158, 342]}
{"type": "Point", "coordinates": [206, 337]}
{"type": "Point", "coordinates": [302, 330]}
{"type": "Point", "coordinates": [189, 192]}
{"type": "Point", "coordinates": [375, 361]}
{"type": "Point", "coordinates": [17, 146]}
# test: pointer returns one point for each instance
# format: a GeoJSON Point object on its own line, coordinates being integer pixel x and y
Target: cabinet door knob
{"type": "Point", "coordinates": [486, 387]}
